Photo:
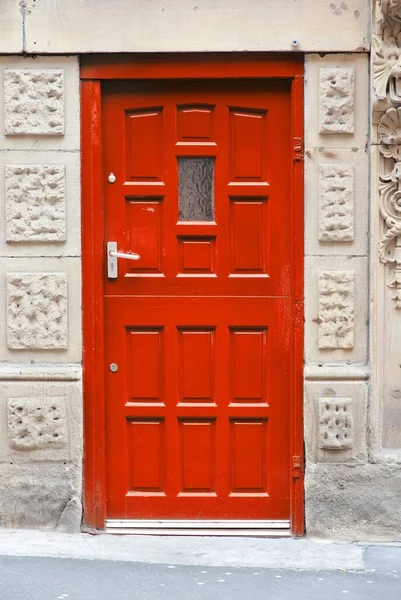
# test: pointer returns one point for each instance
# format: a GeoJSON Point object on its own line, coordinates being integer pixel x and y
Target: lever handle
{"type": "Point", "coordinates": [130, 256]}
{"type": "Point", "coordinates": [112, 255]}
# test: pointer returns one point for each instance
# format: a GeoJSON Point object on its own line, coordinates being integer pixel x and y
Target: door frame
{"type": "Point", "coordinates": [95, 69]}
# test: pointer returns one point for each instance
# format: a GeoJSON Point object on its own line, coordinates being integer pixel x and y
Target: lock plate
{"type": "Point", "coordinates": [112, 270]}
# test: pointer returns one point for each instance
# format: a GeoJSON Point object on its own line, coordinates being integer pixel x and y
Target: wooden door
{"type": "Point", "coordinates": [200, 328]}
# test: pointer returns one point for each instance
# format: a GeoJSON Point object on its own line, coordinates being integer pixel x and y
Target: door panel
{"type": "Point", "coordinates": [202, 398]}
{"type": "Point", "coordinates": [198, 412]}
{"type": "Point", "coordinates": [149, 208]}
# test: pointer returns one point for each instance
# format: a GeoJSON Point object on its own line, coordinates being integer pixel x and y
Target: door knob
{"type": "Point", "coordinates": [112, 255]}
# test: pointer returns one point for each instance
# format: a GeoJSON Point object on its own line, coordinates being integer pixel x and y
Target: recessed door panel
{"type": "Point", "coordinates": [196, 365]}
{"type": "Point", "coordinates": [146, 364]}
{"type": "Point", "coordinates": [195, 124]}
{"type": "Point", "coordinates": [197, 456]}
{"type": "Point", "coordinates": [146, 456]}
{"type": "Point", "coordinates": [248, 139]}
{"type": "Point", "coordinates": [145, 234]}
{"type": "Point", "coordinates": [143, 141]}
{"type": "Point", "coordinates": [249, 444]}
{"type": "Point", "coordinates": [249, 225]}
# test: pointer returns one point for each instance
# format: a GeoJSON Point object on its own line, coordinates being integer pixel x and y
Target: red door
{"type": "Point", "coordinates": [198, 331]}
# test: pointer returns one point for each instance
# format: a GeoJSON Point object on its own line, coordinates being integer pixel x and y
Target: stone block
{"type": "Point", "coordinates": [342, 108]}
{"type": "Point", "coordinates": [19, 345]}
{"type": "Point", "coordinates": [37, 311]}
{"type": "Point", "coordinates": [336, 309]}
{"type": "Point", "coordinates": [39, 113]}
{"type": "Point", "coordinates": [42, 210]}
{"type": "Point", "coordinates": [336, 181]}
{"type": "Point", "coordinates": [40, 421]}
{"type": "Point", "coordinates": [353, 502]}
{"type": "Point", "coordinates": [210, 26]}
{"type": "Point", "coordinates": [336, 206]}
{"type": "Point", "coordinates": [336, 421]}
{"type": "Point", "coordinates": [37, 423]}
{"type": "Point", "coordinates": [35, 203]}
{"type": "Point", "coordinates": [336, 100]}
{"type": "Point", "coordinates": [34, 101]}
{"type": "Point", "coordinates": [11, 27]}
{"type": "Point", "coordinates": [35, 495]}
{"type": "Point", "coordinates": [71, 517]}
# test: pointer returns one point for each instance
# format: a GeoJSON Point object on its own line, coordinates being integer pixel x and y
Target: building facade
{"type": "Point", "coordinates": [247, 367]}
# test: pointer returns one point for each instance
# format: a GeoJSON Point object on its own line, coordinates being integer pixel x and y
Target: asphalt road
{"type": "Point", "coordinates": [43, 578]}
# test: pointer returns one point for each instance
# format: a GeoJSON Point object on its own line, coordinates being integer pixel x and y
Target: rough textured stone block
{"type": "Point", "coordinates": [336, 309]}
{"type": "Point", "coordinates": [336, 100]}
{"type": "Point", "coordinates": [353, 502]}
{"type": "Point", "coordinates": [323, 422]}
{"type": "Point", "coordinates": [336, 218]}
{"type": "Point", "coordinates": [37, 311]}
{"type": "Point", "coordinates": [36, 424]}
{"type": "Point", "coordinates": [35, 203]}
{"type": "Point", "coordinates": [70, 518]}
{"type": "Point", "coordinates": [33, 412]}
{"type": "Point", "coordinates": [335, 423]}
{"type": "Point", "coordinates": [34, 101]}
{"type": "Point", "coordinates": [37, 494]}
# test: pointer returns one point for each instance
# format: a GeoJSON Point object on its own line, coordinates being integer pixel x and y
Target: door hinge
{"type": "Point", "coordinates": [296, 467]}
{"type": "Point", "coordinates": [298, 148]}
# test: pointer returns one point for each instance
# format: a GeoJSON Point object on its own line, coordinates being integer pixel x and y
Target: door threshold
{"type": "Point", "coordinates": [274, 528]}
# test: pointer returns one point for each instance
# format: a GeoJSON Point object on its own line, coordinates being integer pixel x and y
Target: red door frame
{"type": "Point", "coordinates": [94, 69]}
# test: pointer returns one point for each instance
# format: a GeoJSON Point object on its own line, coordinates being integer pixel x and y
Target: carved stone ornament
{"type": "Point", "coordinates": [388, 13]}
{"type": "Point", "coordinates": [387, 86]}
{"type": "Point", "coordinates": [34, 101]}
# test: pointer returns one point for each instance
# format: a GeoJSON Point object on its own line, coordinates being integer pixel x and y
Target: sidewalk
{"type": "Point", "coordinates": [38, 565]}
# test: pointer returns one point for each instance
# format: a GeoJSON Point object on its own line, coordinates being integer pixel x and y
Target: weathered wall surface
{"type": "Point", "coordinates": [40, 291]}
{"type": "Point", "coordinates": [342, 486]}
{"type": "Point", "coordinates": [50, 26]}
{"type": "Point", "coordinates": [353, 254]}
{"type": "Point", "coordinates": [352, 387]}
{"type": "Point", "coordinates": [386, 233]}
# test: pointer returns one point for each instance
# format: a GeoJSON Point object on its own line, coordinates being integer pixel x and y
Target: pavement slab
{"type": "Point", "coordinates": [40, 565]}
{"type": "Point", "coordinates": [290, 553]}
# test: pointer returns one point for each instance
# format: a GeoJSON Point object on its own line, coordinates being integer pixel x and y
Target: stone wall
{"type": "Point", "coordinates": [40, 287]}
{"type": "Point", "coordinates": [77, 26]}
{"type": "Point", "coordinates": [352, 248]}
{"type": "Point", "coordinates": [336, 292]}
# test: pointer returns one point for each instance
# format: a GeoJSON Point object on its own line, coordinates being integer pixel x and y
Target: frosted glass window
{"type": "Point", "coordinates": [196, 189]}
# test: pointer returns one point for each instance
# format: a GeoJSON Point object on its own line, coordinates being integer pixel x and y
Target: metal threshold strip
{"type": "Point", "coordinates": [278, 528]}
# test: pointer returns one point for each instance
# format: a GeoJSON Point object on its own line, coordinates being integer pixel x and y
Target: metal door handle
{"type": "Point", "coordinates": [112, 255]}
{"type": "Point", "coordinates": [132, 256]}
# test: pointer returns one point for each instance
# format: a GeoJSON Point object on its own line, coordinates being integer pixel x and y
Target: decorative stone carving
{"type": "Point", "coordinates": [34, 101]}
{"type": "Point", "coordinates": [35, 203]}
{"type": "Point", "coordinates": [388, 15]}
{"type": "Point", "coordinates": [336, 100]}
{"type": "Point", "coordinates": [336, 187]}
{"type": "Point", "coordinates": [336, 430]}
{"type": "Point", "coordinates": [386, 69]}
{"type": "Point", "coordinates": [387, 86]}
{"type": "Point", "coordinates": [37, 424]}
{"type": "Point", "coordinates": [390, 133]}
{"type": "Point", "coordinates": [336, 309]}
{"type": "Point", "coordinates": [37, 311]}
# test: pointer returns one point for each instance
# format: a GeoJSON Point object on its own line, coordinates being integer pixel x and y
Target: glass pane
{"type": "Point", "coordinates": [195, 189]}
